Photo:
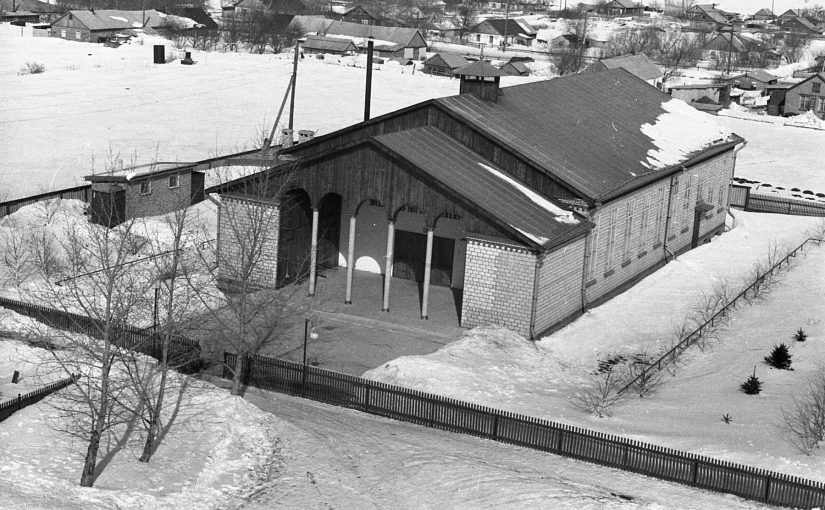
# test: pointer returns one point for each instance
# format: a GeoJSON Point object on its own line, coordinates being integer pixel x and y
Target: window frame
{"type": "Point", "coordinates": [145, 187]}
{"type": "Point", "coordinates": [177, 181]}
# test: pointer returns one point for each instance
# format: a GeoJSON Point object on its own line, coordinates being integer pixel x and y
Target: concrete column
{"type": "Point", "coordinates": [313, 252]}
{"type": "Point", "coordinates": [388, 268]}
{"type": "Point", "coordinates": [428, 262]}
{"type": "Point", "coordinates": [350, 260]}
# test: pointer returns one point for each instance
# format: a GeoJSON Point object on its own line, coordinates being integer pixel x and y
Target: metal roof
{"type": "Point", "coordinates": [584, 130]}
{"type": "Point", "coordinates": [113, 19]}
{"type": "Point", "coordinates": [479, 68]}
{"type": "Point", "coordinates": [469, 175]}
{"type": "Point", "coordinates": [637, 64]}
{"type": "Point", "coordinates": [452, 60]}
{"type": "Point", "coordinates": [317, 42]}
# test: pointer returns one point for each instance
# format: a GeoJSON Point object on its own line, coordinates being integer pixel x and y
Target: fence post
{"type": "Point", "coordinates": [767, 488]}
{"type": "Point", "coordinates": [366, 397]}
{"type": "Point", "coordinates": [19, 401]}
{"type": "Point", "coordinates": [495, 426]}
{"type": "Point", "coordinates": [695, 476]}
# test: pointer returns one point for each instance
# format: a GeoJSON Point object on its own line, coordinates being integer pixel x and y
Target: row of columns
{"type": "Point", "coordinates": [385, 305]}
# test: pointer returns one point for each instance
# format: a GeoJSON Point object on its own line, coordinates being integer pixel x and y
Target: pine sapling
{"type": "Point", "coordinates": [753, 385]}
{"type": "Point", "coordinates": [780, 357]}
{"type": "Point", "coordinates": [800, 335]}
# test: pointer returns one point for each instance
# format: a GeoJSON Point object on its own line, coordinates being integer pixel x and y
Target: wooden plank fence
{"type": "Point", "coordinates": [444, 413]}
{"type": "Point", "coordinates": [743, 198]}
{"type": "Point", "coordinates": [78, 193]}
{"type": "Point", "coordinates": [10, 407]}
{"type": "Point", "coordinates": [184, 353]}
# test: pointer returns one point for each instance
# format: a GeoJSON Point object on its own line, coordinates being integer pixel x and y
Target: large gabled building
{"type": "Point", "coordinates": [533, 202]}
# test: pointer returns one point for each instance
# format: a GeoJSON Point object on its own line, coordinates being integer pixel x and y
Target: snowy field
{"type": "Point", "coordinates": [94, 101]}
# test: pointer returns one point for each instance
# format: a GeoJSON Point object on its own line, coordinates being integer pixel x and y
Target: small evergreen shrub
{"type": "Point", "coordinates": [800, 336]}
{"type": "Point", "coordinates": [780, 357]}
{"type": "Point", "coordinates": [753, 386]}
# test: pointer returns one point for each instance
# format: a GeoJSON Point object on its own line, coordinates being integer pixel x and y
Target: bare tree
{"type": "Point", "coordinates": [465, 18]}
{"type": "Point", "coordinates": [97, 283]}
{"type": "Point", "coordinates": [793, 47]}
{"type": "Point", "coordinates": [245, 306]}
{"type": "Point", "coordinates": [804, 419]}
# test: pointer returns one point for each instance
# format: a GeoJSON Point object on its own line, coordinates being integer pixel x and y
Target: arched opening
{"type": "Point", "coordinates": [295, 236]}
{"type": "Point", "coordinates": [329, 231]}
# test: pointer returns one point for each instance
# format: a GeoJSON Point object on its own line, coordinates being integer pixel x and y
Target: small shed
{"type": "Point", "coordinates": [444, 64]}
{"type": "Point", "coordinates": [637, 64]}
{"type": "Point", "coordinates": [515, 69]}
{"type": "Point", "coordinates": [146, 190]}
{"type": "Point", "coordinates": [718, 93]}
{"type": "Point", "coordinates": [19, 17]}
{"type": "Point", "coordinates": [331, 45]}
{"type": "Point", "coordinates": [753, 80]}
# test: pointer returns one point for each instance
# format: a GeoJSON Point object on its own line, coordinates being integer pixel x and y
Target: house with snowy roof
{"type": "Point", "coordinates": [100, 25]}
{"type": "Point", "coordinates": [764, 14]}
{"type": "Point", "coordinates": [330, 45]}
{"type": "Point", "coordinates": [497, 31]}
{"type": "Point", "coordinates": [624, 8]}
{"type": "Point", "coordinates": [388, 42]}
{"type": "Point", "coordinates": [444, 64]}
{"type": "Point", "coordinates": [532, 203]}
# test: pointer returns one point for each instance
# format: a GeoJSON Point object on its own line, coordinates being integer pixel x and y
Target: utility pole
{"type": "Point", "coordinates": [730, 49]}
{"type": "Point", "coordinates": [294, 80]}
{"type": "Point", "coordinates": [506, 23]}
{"type": "Point", "coordinates": [368, 89]}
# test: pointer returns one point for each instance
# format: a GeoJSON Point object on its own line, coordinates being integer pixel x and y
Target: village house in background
{"type": "Point", "coordinates": [465, 192]}
{"type": "Point", "coordinates": [444, 64]}
{"type": "Point", "coordinates": [101, 25]}
{"type": "Point", "coordinates": [398, 43]}
{"type": "Point", "coordinates": [807, 95]}
{"type": "Point", "coordinates": [499, 31]}
{"type": "Point", "coordinates": [330, 45]}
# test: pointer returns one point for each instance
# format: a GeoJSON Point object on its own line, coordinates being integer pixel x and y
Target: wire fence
{"type": "Point", "coordinates": [78, 193]}
{"type": "Point", "coordinates": [184, 353]}
{"type": "Point", "coordinates": [10, 407]}
{"type": "Point", "coordinates": [670, 356]}
{"type": "Point", "coordinates": [456, 416]}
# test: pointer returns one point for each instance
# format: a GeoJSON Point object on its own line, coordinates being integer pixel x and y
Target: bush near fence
{"type": "Point", "coordinates": [184, 353]}
{"type": "Point", "coordinates": [452, 415]}
{"type": "Point", "coordinates": [10, 407]}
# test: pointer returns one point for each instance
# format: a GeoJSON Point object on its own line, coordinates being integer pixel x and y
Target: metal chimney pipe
{"type": "Point", "coordinates": [368, 91]}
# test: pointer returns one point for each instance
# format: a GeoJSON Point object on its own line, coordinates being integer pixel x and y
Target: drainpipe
{"type": "Point", "coordinates": [587, 241]}
{"type": "Point", "coordinates": [534, 303]}
{"type": "Point", "coordinates": [667, 219]}
{"type": "Point", "coordinates": [732, 172]}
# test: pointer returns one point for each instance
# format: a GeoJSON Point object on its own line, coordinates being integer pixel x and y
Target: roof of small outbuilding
{"type": "Point", "coordinates": [114, 19]}
{"type": "Point", "coordinates": [321, 43]}
{"type": "Point", "coordinates": [637, 64]}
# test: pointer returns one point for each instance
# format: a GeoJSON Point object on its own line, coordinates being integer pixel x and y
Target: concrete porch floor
{"type": "Point", "coordinates": [357, 337]}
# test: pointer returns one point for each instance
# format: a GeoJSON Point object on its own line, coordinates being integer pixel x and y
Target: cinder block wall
{"type": "Point", "coordinates": [161, 200]}
{"type": "Point", "coordinates": [560, 285]}
{"type": "Point", "coordinates": [498, 286]}
{"type": "Point", "coordinates": [238, 219]}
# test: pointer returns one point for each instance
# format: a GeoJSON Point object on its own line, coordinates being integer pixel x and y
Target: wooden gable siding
{"type": "Point", "coordinates": [412, 118]}
{"type": "Point", "coordinates": [417, 41]}
{"type": "Point", "coordinates": [500, 155]}
{"type": "Point", "coordinates": [68, 21]}
{"type": "Point", "coordinates": [363, 173]}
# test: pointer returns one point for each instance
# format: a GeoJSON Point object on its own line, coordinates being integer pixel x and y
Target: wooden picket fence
{"type": "Point", "coordinates": [742, 197]}
{"type": "Point", "coordinates": [184, 353]}
{"type": "Point", "coordinates": [78, 193]}
{"type": "Point", "coordinates": [444, 413]}
{"type": "Point", "coordinates": [10, 407]}
{"type": "Point", "coordinates": [670, 356]}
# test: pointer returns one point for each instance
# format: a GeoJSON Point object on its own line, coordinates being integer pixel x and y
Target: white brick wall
{"type": "Point", "coordinates": [248, 239]}
{"type": "Point", "coordinates": [498, 286]}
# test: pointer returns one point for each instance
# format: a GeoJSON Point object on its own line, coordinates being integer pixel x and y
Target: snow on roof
{"type": "Point", "coordinates": [119, 18]}
{"type": "Point", "coordinates": [562, 215]}
{"type": "Point", "coordinates": [678, 132]}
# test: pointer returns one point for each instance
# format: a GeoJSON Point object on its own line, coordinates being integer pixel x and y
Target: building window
{"type": "Point", "coordinates": [821, 107]}
{"type": "Point", "coordinates": [77, 35]}
{"type": "Point", "coordinates": [700, 188]}
{"type": "Point", "coordinates": [815, 87]}
{"type": "Point", "coordinates": [611, 240]}
{"type": "Point", "coordinates": [592, 260]}
{"type": "Point", "coordinates": [491, 39]}
{"type": "Point", "coordinates": [643, 224]}
{"type": "Point", "coordinates": [174, 181]}
{"type": "Point", "coordinates": [660, 215]}
{"type": "Point", "coordinates": [63, 33]}
{"type": "Point", "coordinates": [806, 102]}
{"type": "Point", "coordinates": [478, 37]}
{"type": "Point", "coordinates": [365, 22]}
{"type": "Point", "coordinates": [146, 187]}
{"type": "Point", "coordinates": [686, 202]}
{"type": "Point", "coordinates": [628, 231]}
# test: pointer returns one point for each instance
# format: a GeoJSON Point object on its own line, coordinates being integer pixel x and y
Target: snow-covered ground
{"type": "Point", "coordinates": [95, 104]}
{"type": "Point", "coordinates": [494, 367]}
